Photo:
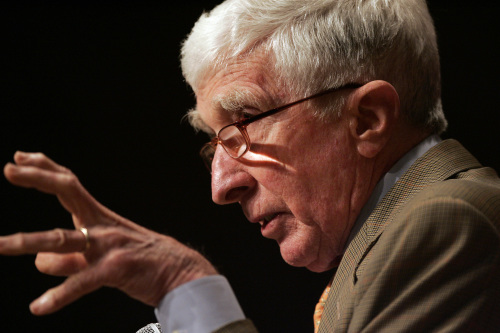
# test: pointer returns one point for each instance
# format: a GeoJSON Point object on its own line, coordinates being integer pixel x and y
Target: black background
{"type": "Point", "coordinates": [96, 86]}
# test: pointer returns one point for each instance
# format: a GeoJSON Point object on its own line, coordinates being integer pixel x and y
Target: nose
{"type": "Point", "coordinates": [230, 181]}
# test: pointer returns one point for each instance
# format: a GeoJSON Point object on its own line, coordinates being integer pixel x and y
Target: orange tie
{"type": "Point", "coordinates": [321, 306]}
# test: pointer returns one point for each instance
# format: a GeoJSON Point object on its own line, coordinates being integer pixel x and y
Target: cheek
{"type": "Point", "coordinates": [325, 163]}
{"type": "Point", "coordinates": [309, 167]}
{"type": "Point", "coordinates": [315, 144]}
{"type": "Point", "coordinates": [320, 192]}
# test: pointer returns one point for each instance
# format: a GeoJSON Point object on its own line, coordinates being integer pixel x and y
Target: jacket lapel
{"type": "Point", "coordinates": [441, 162]}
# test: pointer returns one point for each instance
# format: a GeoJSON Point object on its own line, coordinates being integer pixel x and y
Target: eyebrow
{"type": "Point", "coordinates": [231, 103]}
{"type": "Point", "coordinates": [236, 101]}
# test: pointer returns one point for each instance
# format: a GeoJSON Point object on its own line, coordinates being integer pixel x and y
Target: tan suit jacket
{"type": "Point", "coordinates": [428, 257]}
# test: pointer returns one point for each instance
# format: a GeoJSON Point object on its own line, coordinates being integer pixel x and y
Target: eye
{"type": "Point", "coordinates": [246, 115]}
{"type": "Point", "coordinates": [243, 115]}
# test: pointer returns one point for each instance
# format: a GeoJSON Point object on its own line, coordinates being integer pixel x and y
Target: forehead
{"type": "Point", "coordinates": [247, 83]}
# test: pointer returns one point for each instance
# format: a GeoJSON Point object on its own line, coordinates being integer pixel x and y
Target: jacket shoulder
{"type": "Point", "coordinates": [476, 189]}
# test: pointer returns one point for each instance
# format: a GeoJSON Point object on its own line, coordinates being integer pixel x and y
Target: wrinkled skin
{"type": "Point", "coordinates": [303, 179]}
{"type": "Point", "coordinates": [142, 263]}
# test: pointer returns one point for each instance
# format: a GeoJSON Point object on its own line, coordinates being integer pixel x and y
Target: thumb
{"type": "Point", "coordinates": [73, 288]}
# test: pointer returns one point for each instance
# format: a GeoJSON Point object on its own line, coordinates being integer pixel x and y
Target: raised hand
{"type": "Point", "coordinates": [117, 253]}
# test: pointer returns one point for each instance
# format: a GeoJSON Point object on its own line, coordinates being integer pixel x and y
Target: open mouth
{"type": "Point", "coordinates": [268, 219]}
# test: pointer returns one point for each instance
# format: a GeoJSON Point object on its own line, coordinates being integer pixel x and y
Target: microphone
{"type": "Point", "coordinates": [151, 328]}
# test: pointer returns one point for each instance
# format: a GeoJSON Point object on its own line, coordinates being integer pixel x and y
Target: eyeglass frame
{"type": "Point", "coordinates": [241, 125]}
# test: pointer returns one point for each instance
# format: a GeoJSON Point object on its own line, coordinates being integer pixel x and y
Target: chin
{"type": "Point", "coordinates": [320, 267]}
{"type": "Point", "coordinates": [311, 263]}
{"type": "Point", "coordinates": [308, 255]}
{"type": "Point", "coordinates": [314, 266]}
{"type": "Point", "coordinates": [293, 258]}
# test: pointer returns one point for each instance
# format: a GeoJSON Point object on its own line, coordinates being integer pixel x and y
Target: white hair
{"type": "Point", "coordinates": [320, 44]}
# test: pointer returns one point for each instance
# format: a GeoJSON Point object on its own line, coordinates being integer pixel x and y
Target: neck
{"type": "Point", "coordinates": [404, 139]}
{"type": "Point", "coordinates": [373, 169]}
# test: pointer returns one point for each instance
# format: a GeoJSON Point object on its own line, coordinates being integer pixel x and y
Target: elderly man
{"type": "Point", "coordinates": [325, 118]}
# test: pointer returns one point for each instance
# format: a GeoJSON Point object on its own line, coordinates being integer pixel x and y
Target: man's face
{"type": "Point", "coordinates": [298, 179]}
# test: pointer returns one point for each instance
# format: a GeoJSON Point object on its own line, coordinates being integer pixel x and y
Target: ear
{"type": "Point", "coordinates": [374, 110]}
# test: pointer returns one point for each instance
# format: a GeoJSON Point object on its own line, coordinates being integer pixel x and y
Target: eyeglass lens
{"type": "Point", "coordinates": [233, 141]}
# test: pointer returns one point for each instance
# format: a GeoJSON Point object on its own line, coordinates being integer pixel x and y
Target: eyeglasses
{"type": "Point", "coordinates": [234, 137]}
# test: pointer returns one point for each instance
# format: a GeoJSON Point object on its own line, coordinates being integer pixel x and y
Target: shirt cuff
{"type": "Point", "coordinates": [199, 306]}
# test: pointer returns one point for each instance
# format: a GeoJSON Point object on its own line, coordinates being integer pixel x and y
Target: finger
{"type": "Point", "coordinates": [39, 160]}
{"type": "Point", "coordinates": [69, 291]}
{"type": "Point", "coordinates": [57, 240]}
{"type": "Point", "coordinates": [58, 264]}
{"type": "Point", "coordinates": [43, 180]}
{"type": "Point", "coordinates": [65, 185]}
